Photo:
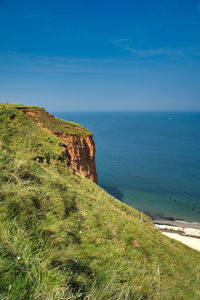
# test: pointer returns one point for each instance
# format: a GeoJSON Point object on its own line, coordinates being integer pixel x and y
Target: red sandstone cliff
{"type": "Point", "coordinates": [79, 149]}
{"type": "Point", "coordinates": [80, 153]}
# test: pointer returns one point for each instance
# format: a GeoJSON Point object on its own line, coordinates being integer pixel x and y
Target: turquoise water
{"type": "Point", "coordinates": [147, 159]}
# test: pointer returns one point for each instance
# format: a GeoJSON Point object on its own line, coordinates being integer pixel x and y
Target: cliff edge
{"type": "Point", "coordinates": [77, 142]}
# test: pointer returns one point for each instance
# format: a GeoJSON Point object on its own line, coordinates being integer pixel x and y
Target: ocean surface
{"type": "Point", "coordinates": [148, 160]}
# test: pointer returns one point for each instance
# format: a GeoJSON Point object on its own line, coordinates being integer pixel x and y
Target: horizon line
{"type": "Point", "coordinates": [115, 111]}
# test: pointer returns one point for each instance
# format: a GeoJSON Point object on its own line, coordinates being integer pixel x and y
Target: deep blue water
{"type": "Point", "coordinates": [147, 160]}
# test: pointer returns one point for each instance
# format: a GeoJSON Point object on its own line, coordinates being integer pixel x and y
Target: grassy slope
{"type": "Point", "coordinates": [74, 240]}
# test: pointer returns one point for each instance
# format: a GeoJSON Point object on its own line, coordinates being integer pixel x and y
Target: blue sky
{"type": "Point", "coordinates": [101, 55]}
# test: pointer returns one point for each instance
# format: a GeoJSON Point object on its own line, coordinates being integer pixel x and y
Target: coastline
{"type": "Point", "coordinates": [177, 223]}
{"type": "Point", "coordinates": [182, 231]}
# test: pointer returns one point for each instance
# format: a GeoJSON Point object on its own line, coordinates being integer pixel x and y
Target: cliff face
{"type": "Point", "coordinates": [80, 153]}
{"type": "Point", "coordinates": [78, 144]}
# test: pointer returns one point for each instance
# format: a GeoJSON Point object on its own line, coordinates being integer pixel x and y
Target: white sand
{"type": "Point", "coordinates": [185, 235]}
{"type": "Point", "coordinates": [189, 241]}
{"type": "Point", "coordinates": [186, 231]}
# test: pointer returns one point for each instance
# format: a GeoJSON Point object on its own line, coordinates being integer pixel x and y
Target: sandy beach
{"type": "Point", "coordinates": [184, 232]}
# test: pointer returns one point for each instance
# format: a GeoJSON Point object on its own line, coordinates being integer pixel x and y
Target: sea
{"type": "Point", "coordinates": [148, 160]}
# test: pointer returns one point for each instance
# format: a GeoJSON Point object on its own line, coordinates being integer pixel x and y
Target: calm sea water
{"type": "Point", "coordinates": [147, 159]}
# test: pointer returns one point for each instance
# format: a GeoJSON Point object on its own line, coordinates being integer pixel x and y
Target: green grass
{"type": "Point", "coordinates": [63, 237]}
{"type": "Point", "coordinates": [50, 122]}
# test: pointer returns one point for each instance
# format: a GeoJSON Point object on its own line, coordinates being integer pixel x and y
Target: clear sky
{"type": "Point", "coordinates": [101, 55]}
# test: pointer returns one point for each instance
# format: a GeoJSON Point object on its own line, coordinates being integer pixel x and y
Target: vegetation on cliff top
{"type": "Point", "coordinates": [42, 117]}
{"type": "Point", "coordinates": [63, 237]}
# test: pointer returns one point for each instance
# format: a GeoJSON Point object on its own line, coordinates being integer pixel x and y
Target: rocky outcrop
{"type": "Point", "coordinates": [80, 153]}
{"type": "Point", "coordinates": [78, 148]}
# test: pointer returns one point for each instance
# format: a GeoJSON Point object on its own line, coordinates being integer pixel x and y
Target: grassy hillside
{"type": "Point", "coordinates": [63, 237]}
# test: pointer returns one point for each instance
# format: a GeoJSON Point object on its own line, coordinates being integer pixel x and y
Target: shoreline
{"type": "Point", "coordinates": [182, 231]}
{"type": "Point", "coordinates": [177, 223]}
{"type": "Point", "coordinates": [166, 220]}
